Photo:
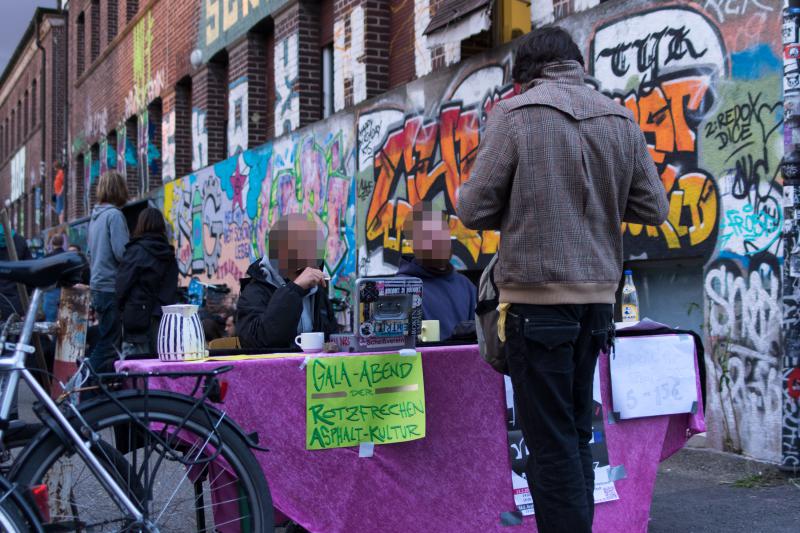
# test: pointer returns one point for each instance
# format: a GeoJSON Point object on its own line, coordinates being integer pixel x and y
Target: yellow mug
{"type": "Point", "coordinates": [430, 331]}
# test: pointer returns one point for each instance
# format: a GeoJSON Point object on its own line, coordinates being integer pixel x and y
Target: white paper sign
{"type": "Point", "coordinates": [653, 375]}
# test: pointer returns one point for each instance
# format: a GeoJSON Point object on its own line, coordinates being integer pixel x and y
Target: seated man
{"type": "Point", "coordinates": [286, 292]}
{"type": "Point", "coordinates": [447, 296]}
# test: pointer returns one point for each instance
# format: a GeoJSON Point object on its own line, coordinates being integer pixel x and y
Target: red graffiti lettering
{"type": "Point", "coordinates": [426, 158]}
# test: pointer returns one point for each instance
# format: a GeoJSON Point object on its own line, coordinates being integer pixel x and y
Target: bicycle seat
{"type": "Point", "coordinates": [62, 269]}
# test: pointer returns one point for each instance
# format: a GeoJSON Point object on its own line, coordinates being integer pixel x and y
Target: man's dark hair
{"type": "Point", "coordinates": [540, 47]}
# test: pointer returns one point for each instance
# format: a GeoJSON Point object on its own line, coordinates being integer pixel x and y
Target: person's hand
{"type": "Point", "coordinates": [310, 277]}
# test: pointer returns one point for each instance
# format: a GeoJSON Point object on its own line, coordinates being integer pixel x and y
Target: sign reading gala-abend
{"type": "Point", "coordinates": [353, 399]}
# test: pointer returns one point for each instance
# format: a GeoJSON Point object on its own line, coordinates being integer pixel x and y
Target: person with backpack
{"type": "Point", "coordinates": [559, 168]}
{"type": "Point", "coordinates": [108, 235]}
{"type": "Point", "coordinates": [147, 279]}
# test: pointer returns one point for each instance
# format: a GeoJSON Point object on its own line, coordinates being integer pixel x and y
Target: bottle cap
{"type": "Point", "coordinates": [629, 272]}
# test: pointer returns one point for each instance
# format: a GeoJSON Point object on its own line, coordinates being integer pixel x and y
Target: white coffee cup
{"type": "Point", "coordinates": [312, 342]}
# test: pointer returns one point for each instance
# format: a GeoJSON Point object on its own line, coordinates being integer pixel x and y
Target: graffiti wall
{"type": "Point", "coordinates": [287, 99]}
{"type": "Point", "coordinates": [220, 216]}
{"type": "Point", "coordinates": [705, 87]}
{"type": "Point", "coordinates": [419, 144]}
{"type": "Point", "coordinates": [703, 81]}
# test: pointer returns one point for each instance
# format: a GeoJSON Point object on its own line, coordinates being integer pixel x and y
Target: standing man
{"type": "Point", "coordinates": [560, 167]}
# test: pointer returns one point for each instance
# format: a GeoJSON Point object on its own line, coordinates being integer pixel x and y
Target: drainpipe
{"type": "Point", "coordinates": [42, 114]}
{"type": "Point", "coordinates": [790, 169]}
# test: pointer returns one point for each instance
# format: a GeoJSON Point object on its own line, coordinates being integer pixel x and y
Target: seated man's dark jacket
{"type": "Point", "coordinates": [267, 316]}
{"type": "Point", "coordinates": [447, 296]}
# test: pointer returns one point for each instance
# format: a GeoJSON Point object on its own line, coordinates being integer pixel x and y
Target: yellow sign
{"type": "Point", "coordinates": [374, 398]}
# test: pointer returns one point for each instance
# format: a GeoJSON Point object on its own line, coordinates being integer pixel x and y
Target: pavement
{"type": "Point", "coordinates": [699, 490]}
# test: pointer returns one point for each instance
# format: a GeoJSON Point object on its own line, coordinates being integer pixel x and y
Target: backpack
{"type": "Point", "coordinates": [486, 316]}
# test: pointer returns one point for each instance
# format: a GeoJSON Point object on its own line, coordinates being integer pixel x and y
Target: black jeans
{"type": "Point", "coordinates": [552, 351]}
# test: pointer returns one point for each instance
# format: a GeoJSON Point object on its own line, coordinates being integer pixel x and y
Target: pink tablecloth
{"type": "Point", "coordinates": [458, 478]}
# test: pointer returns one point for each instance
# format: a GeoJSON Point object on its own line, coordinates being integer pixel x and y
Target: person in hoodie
{"type": "Point", "coordinates": [108, 235]}
{"type": "Point", "coordinates": [147, 279]}
{"type": "Point", "coordinates": [447, 296]}
{"type": "Point", "coordinates": [286, 291]}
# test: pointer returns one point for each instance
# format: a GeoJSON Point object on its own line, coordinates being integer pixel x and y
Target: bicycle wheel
{"type": "Point", "coordinates": [199, 475]}
{"type": "Point", "coordinates": [11, 520]}
{"type": "Point", "coordinates": [16, 516]}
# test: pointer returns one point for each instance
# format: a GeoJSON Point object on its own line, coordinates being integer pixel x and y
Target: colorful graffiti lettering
{"type": "Point", "coordinates": [168, 147]}
{"type": "Point", "coordinates": [672, 68]}
{"type": "Point", "coordinates": [421, 159]}
{"type": "Point", "coordinates": [220, 216]}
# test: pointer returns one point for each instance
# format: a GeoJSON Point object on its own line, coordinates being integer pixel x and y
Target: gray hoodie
{"type": "Point", "coordinates": [108, 235]}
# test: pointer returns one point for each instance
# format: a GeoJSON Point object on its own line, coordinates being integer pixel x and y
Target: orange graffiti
{"type": "Point", "coordinates": [426, 158]}
{"type": "Point", "coordinates": [694, 194]}
{"type": "Point", "coordinates": [693, 200]}
{"type": "Point", "coordinates": [662, 113]}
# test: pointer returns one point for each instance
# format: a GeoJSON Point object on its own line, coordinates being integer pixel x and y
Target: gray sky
{"type": "Point", "coordinates": [15, 15]}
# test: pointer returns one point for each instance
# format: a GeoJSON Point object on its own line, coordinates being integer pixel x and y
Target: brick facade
{"type": "Point", "coordinates": [139, 60]}
{"type": "Point", "coordinates": [32, 111]}
{"type": "Point", "coordinates": [126, 66]}
{"type": "Point", "coordinates": [361, 50]}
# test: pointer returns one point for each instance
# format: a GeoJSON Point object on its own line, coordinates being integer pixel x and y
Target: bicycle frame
{"type": "Point", "coordinates": [12, 368]}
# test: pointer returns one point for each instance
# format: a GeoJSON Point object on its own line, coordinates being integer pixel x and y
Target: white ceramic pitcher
{"type": "Point", "coordinates": [180, 334]}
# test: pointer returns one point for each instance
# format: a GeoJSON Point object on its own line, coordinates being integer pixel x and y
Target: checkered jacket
{"type": "Point", "coordinates": [559, 168]}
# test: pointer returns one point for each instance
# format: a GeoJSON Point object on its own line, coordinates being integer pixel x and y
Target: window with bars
{"type": "Point", "coordinates": [132, 7]}
{"type": "Point", "coordinates": [112, 19]}
{"type": "Point", "coordinates": [34, 100]}
{"type": "Point", "coordinates": [95, 25]}
{"type": "Point", "coordinates": [80, 44]}
{"type": "Point", "coordinates": [562, 8]}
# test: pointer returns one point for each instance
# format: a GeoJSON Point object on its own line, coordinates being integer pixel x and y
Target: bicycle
{"type": "Point", "coordinates": [132, 458]}
{"type": "Point", "coordinates": [16, 513]}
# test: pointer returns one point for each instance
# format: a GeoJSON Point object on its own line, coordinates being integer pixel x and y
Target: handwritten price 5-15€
{"type": "Point", "coordinates": [666, 391]}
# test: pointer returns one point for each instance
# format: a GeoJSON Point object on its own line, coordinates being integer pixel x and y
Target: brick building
{"type": "Point", "coordinates": [159, 88]}
{"type": "Point", "coordinates": [33, 99]}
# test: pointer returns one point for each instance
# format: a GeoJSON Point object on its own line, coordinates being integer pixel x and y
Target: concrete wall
{"type": "Point", "coordinates": [705, 85]}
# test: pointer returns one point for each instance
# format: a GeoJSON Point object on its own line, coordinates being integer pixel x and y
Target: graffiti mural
{"type": "Point", "coordinates": [220, 216]}
{"type": "Point", "coordinates": [199, 139]}
{"type": "Point", "coordinates": [222, 22]}
{"type": "Point", "coordinates": [662, 70]}
{"type": "Point", "coordinates": [147, 86]}
{"type": "Point", "coordinates": [744, 319]}
{"type": "Point", "coordinates": [168, 147]}
{"type": "Point", "coordinates": [709, 103]}
{"type": "Point", "coordinates": [122, 144]}
{"type": "Point", "coordinates": [406, 158]}
{"type": "Point", "coordinates": [287, 100]}
{"type": "Point", "coordinates": [237, 116]}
